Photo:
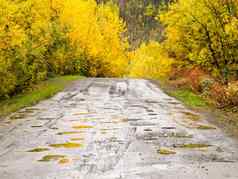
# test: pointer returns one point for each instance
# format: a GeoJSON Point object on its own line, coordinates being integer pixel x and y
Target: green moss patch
{"type": "Point", "coordinates": [188, 98]}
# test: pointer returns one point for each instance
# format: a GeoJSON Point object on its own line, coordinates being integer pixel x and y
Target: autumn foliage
{"type": "Point", "coordinates": [203, 33]}
{"type": "Point", "coordinates": [41, 38]}
{"type": "Point", "coordinates": [150, 61]}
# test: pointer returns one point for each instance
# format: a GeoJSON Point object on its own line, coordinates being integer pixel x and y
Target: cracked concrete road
{"type": "Point", "coordinates": [114, 129]}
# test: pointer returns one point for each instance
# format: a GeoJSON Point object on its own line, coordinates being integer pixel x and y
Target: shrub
{"type": "Point", "coordinates": [40, 38]}
{"type": "Point", "coordinates": [150, 61]}
{"type": "Point", "coordinates": [194, 76]}
{"type": "Point", "coordinates": [206, 84]}
{"type": "Point", "coordinates": [203, 33]}
{"type": "Point", "coordinates": [219, 94]}
{"type": "Point", "coordinates": [97, 33]}
{"type": "Point", "coordinates": [232, 93]}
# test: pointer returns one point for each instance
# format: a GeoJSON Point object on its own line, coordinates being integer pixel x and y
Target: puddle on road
{"type": "Point", "coordinates": [39, 149]}
{"type": "Point", "coordinates": [64, 161]}
{"type": "Point", "coordinates": [103, 132]}
{"type": "Point", "coordinates": [175, 135]}
{"type": "Point", "coordinates": [173, 102]}
{"type": "Point", "coordinates": [67, 145]}
{"type": "Point", "coordinates": [31, 110]}
{"type": "Point", "coordinates": [77, 139]}
{"type": "Point", "coordinates": [81, 113]}
{"type": "Point", "coordinates": [121, 120]}
{"type": "Point", "coordinates": [164, 151]}
{"type": "Point", "coordinates": [192, 116]}
{"type": "Point", "coordinates": [82, 127]}
{"type": "Point", "coordinates": [205, 127]}
{"type": "Point", "coordinates": [83, 120]}
{"type": "Point", "coordinates": [148, 130]}
{"type": "Point", "coordinates": [48, 158]}
{"type": "Point", "coordinates": [22, 114]}
{"type": "Point", "coordinates": [18, 116]}
{"type": "Point", "coordinates": [36, 126]}
{"type": "Point", "coordinates": [193, 146]}
{"type": "Point", "coordinates": [168, 128]}
{"type": "Point", "coordinates": [69, 132]}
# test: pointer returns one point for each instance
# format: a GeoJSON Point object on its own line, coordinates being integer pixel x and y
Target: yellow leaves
{"type": "Point", "coordinates": [150, 61]}
{"type": "Point", "coordinates": [98, 29]}
{"type": "Point", "coordinates": [202, 32]}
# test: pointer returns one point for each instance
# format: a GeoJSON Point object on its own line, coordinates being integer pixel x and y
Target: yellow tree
{"type": "Point", "coordinates": [202, 32]}
{"type": "Point", "coordinates": [97, 32]}
{"type": "Point", "coordinates": [150, 61]}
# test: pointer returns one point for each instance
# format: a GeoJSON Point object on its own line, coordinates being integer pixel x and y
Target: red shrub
{"type": "Point", "coordinates": [194, 76]}
{"type": "Point", "coordinates": [219, 95]}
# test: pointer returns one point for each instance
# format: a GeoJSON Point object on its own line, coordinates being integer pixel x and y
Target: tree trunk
{"type": "Point", "coordinates": [122, 6]}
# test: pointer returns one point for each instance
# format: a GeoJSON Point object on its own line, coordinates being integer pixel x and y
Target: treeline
{"type": "Point", "coordinates": [198, 48]}
{"type": "Point", "coordinates": [202, 38]}
{"type": "Point", "coordinates": [204, 33]}
{"type": "Point", "coordinates": [115, 38]}
{"type": "Point", "coordinates": [41, 38]}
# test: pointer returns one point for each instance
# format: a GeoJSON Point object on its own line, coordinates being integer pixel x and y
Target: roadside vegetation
{"type": "Point", "coordinates": [43, 38]}
{"type": "Point", "coordinates": [36, 93]}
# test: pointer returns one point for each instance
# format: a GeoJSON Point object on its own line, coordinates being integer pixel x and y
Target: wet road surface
{"type": "Point", "coordinates": [114, 129]}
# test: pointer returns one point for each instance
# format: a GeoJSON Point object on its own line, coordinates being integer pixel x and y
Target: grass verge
{"type": "Point", "coordinates": [42, 90]}
{"type": "Point", "coordinates": [188, 97]}
{"type": "Point", "coordinates": [225, 119]}
{"type": "Point", "coordinates": [185, 95]}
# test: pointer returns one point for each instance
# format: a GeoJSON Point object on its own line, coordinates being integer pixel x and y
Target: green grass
{"type": "Point", "coordinates": [188, 98]}
{"type": "Point", "coordinates": [43, 90]}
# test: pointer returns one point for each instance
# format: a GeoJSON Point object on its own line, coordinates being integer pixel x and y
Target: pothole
{"type": "Point", "coordinates": [64, 161]}
{"type": "Point", "coordinates": [77, 139]}
{"type": "Point", "coordinates": [36, 126]}
{"type": "Point", "coordinates": [66, 145]}
{"type": "Point", "coordinates": [81, 113]}
{"type": "Point", "coordinates": [176, 135]}
{"type": "Point", "coordinates": [205, 127]}
{"type": "Point", "coordinates": [164, 151]}
{"type": "Point", "coordinates": [39, 149]}
{"type": "Point", "coordinates": [18, 116]}
{"type": "Point", "coordinates": [191, 116]}
{"type": "Point", "coordinates": [193, 146]}
{"type": "Point", "coordinates": [69, 132]}
{"type": "Point", "coordinates": [170, 127]}
{"type": "Point", "coordinates": [48, 158]}
{"type": "Point", "coordinates": [82, 127]}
